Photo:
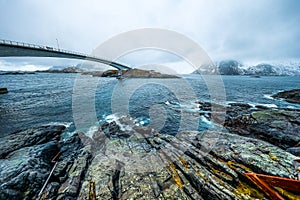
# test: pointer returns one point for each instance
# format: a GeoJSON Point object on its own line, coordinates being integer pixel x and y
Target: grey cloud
{"type": "Point", "coordinates": [243, 30]}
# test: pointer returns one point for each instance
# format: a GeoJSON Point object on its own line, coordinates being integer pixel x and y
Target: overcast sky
{"type": "Point", "coordinates": [248, 30]}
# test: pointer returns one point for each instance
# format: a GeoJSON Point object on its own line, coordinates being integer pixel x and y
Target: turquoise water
{"type": "Point", "coordinates": [44, 98]}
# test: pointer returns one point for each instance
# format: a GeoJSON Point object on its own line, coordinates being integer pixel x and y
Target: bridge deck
{"type": "Point", "coordinates": [20, 49]}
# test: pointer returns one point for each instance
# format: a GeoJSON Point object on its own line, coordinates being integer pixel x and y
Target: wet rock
{"type": "Point", "coordinates": [277, 126]}
{"type": "Point", "coordinates": [110, 129]}
{"type": "Point", "coordinates": [3, 90]}
{"type": "Point", "coordinates": [71, 187]}
{"type": "Point", "coordinates": [240, 106]}
{"type": "Point", "coordinates": [262, 107]}
{"type": "Point", "coordinates": [26, 161]}
{"type": "Point", "coordinates": [148, 165]}
{"type": "Point", "coordinates": [51, 190]}
{"type": "Point", "coordinates": [128, 170]}
{"type": "Point", "coordinates": [201, 165]}
{"type": "Point", "coordinates": [205, 106]}
{"type": "Point", "coordinates": [24, 171]}
{"type": "Point", "coordinates": [71, 167]}
{"type": "Point", "coordinates": [113, 130]}
{"type": "Point", "coordinates": [291, 96]}
{"type": "Point", "coordinates": [219, 173]}
{"type": "Point", "coordinates": [28, 138]}
{"type": "Point", "coordinates": [70, 149]}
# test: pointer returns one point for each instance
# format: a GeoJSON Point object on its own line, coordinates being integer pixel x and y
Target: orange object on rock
{"type": "Point", "coordinates": [264, 182]}
{"type": "Point", "coordinates": [297, 160]}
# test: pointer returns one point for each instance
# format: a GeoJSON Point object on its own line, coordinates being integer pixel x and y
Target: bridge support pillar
{"type": "Point", "coordinates": [120, 73]}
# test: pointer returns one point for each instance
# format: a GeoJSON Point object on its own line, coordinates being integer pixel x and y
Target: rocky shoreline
{"type": "Point", "coordinates": [139, 163]}
{"type": "Point", "coordinates": [291, 96]}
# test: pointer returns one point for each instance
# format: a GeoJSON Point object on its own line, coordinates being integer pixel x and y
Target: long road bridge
{"type": "Point", "coordinates": [19, 49]}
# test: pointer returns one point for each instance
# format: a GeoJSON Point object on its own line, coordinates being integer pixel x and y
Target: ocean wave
{"type": "Point", "coordinates": [268, 105]}
{"type": "Point", "coordinates": [66, 124]}
{"type": "Point", "coordinates": [268, 96]}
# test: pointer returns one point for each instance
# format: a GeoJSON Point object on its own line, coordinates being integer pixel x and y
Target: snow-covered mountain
{"type": "Point", "coordinates": [233, 67]}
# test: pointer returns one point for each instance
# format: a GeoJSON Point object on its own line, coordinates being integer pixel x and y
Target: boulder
{"type": "Point", "coordinates": [30, 137]}
{"type": "Point", "coordinates": [3, 90]}
{"type": "Point", "coordinates": [24, 171]}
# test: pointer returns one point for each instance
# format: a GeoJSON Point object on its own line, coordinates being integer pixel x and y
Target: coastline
{"type": "Point", "coordinates": [260, 145]}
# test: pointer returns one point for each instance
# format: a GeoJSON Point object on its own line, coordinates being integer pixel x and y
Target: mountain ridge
{"type": "Point", "coordinates": [234, 67]}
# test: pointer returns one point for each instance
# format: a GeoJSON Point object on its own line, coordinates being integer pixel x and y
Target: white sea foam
{"type": "Point", "coordinates": [269, 105]}
{"type": "Point", "coordinates": [116, 118]}
{"type": "Point", "coordinates": [91, 131]}
{"type": "Point", "coordinates": [205, 120]}
{"type": "Point", "coordinates": [268, 96]}
{"type": "Point", "coordinates": [191, 107]}
{"type": "Point", "coordinates": [66, 124]}
{"type": "Point", "coordinates": [111, 118]}
{"type": "Point", "coordinates": [68, 134]}
{"type": "Point", "coordinates": [252, 105]}
{"type": "Point", "coordinates": [141, 121]}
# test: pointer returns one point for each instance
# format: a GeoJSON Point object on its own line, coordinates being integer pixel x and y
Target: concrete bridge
{"type": "Point", "coordinates": [18, 49]}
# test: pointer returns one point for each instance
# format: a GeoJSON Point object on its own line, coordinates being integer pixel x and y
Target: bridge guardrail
{"type": "Point", "coordinates": [24, 44]}
{"type": "Point", "coordinates": [11, 42]}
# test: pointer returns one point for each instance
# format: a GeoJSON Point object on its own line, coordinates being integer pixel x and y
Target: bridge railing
{"type": "Point", "coordinates": [24, 44]}
{"type": "Point", "coordinates": [48, 48]}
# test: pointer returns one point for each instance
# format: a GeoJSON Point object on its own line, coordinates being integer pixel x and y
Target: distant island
{"type": "Point", "coordinates": [16, 73]}
{"type": "Point", "coordinates": [132, 73]}
{"type": "Point", "coordinates": [63, 70]}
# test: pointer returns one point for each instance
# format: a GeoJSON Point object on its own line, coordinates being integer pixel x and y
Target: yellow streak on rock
{"type": "Point", "coordinates": [245, 189]}
{"type": "Point", "coordinates": [233, 166]}
{"type": "Point", "coordinates": [288, 194]}
{"type": "Point", "coordinates": [202, 176]}
{"type": "Point", "coordinates": [172, 169]}
{"type": "Point", "coordinates": [185, 164]}
{"type": "Point", "coordinates": [92, 195]}
{"type": "Point", "coordinates": [273, 157]}
{"type": "Point", "coordinates": [222, 174]}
